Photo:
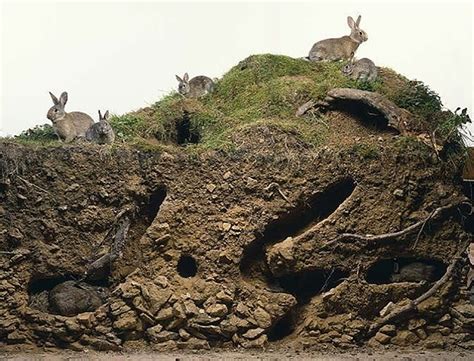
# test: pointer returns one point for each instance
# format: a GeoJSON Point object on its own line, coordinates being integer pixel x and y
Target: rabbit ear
{"type": "Point", "coordinates": [179, 79]}
{"type": "Point", "coordinates": [55, 100]}
{"type": "Point", "coordinates": [186, 77]}
{"type": "Point", "coordinates": [351, 22]}
{"type": "Point", "coordinates": [100, 115]}
{"type": "Point", "coordinates": [63, 99]}
{"type": "Point", "coordinates": [106, 115]}
{"type": "Point", "coordinates": [358, 20]}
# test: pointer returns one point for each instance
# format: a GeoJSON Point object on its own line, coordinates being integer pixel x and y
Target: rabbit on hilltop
{"type": "Point", "coordinates": [67, 126]}
{"type": "Point", "coordinates": [196, 87]}
{"type": "Point", "coordinates": [363, 70]}
{"type": "Point", "coordinates": [101, 132]}
{"type": "Point", "coordinates": [339, 48]}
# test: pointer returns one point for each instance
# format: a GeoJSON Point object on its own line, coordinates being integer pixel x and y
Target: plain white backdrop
{"type": "Point", "coordinates": [123, 55]}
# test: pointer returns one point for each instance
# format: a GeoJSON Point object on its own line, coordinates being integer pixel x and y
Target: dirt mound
{"type": "Point", "coordinates": [276, 241]}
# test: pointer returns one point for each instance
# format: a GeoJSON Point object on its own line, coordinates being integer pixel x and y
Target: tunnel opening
{"type": "Point", "coordinates": [303, 217]}
{"type": "Point", "coordinates": [283, 328]}
{"type": "Point", "coordinates": [366, 115]}
{"type": "Point", "coordinates": [187, 266]}
{"type": "Point", "coordinates": [307, 284]}
{"type": "Point", "coordinates": [405, 270]}
{"type": "Point", "coordinates": [152, 206]}
{"type": "Point", "coordinates": [185, 132]}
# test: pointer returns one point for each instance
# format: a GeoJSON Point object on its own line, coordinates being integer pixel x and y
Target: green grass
{"type": "Point", "coordinates": [262, 90]}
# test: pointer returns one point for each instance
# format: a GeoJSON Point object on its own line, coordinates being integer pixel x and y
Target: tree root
{"type": "Point", "coordinates": [387, 236]}
{"type": "Point", "coordinates": [400, 312]}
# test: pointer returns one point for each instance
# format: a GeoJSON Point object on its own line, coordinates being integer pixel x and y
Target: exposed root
{"type": "Point", "coordinates": [397, 118]}
{"type": "Point", "coordinates": [394, 235]}
{"type": "Point", "coordinates": [402, 311]}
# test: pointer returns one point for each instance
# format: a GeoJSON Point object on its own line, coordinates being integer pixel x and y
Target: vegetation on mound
{"type": "Point", "coordinates": [267, 89]}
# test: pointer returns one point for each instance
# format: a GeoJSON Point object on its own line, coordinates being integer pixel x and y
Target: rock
{"type": "Point", "coordinates": [16, 337]}
{"type": "Point", "coordinates": [185, 335]}
{"type": "Point", "coordinates": [161, 281]}
{"type": "Point", "coordinates": [404, 338]}
{"type": "Point", "coordinates": [119, 307]}
{"type": "Point", "coordinates": [227, 175]}
{"type": "Point", "coordinates": [434, 343]}
{"type": "Point", "coordinates": [329, 337]}
{"type": "Point", "coordinates": [398, 193]}
{"type": "Point", "coordinates": [421, 333]}
{"type": "Point", "coordinates": [99, 343]}
{"type": "Point", "coordinates": [163, 336]}
{"type": "Point", "coordinates": [179, 311]}
{"type": "Point", "coordinates": [217, 310]}
{"type": "Point", "coordinates": [205, 319]}
{"type": "Point", "coordinates": [445, 331]}
{"type": "Point", "coordinates": [382, 338]}
{"type": "Point", "coordinates": [85, 319]}
{"type": "Point", "coordinates": [390, 330]}
{"type": "Point", "coordinates": [413, 324]}
{"type": "Point", "coordinates": [467, 310]}
{"type": "Point", "coordinates": [164, 314]}
{"type": "Point", "coordinates": [468, 345]}
{"type": "Point", "coordinates": [224, 297]}
{"type": "Point", "coordinates": [257, 343]}
{"type": "Point", "coordinates": [211, 187]}
{"type": "Point", "coordinates": [226, 226]}
{"type": "Point", "coordinates": [242, 309]}
{"type": "Point", "coordinates": [262, 317]}
{"type": "Point", "coordinates": [194, 344]}
{"type": "Point", "coordinates": [127, 321]}
{"type": "Point", "coordinates": [253, 333]}
{"type": "Point", "coordinates": [153, 331]}
{"type": "Point", "coordinates": [190, 308]}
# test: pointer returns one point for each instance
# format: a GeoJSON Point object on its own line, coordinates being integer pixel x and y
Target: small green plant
{"type": "Point", "coordinates": [366, 151]}
{"type": "Point", "coordinates": [126, 126]}
{"type": "Point", "coordinates": [418, 98]}
{"type": "Point", "coordinates": [41, 133]}
{"type": "Point", "coordinates": [449, 124]}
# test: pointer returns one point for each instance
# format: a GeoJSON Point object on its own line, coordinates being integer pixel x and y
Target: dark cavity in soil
{"type": "Point", "coordinates": [405, 270]}
{"type": "Point", "coordinates": [153, 204]}
{"type": "Point", "coordinates": [294, 222]}
{"type": "Point", "coordinates": [185, 133]}
{"type": "Point", "coordinates": [187, 266]}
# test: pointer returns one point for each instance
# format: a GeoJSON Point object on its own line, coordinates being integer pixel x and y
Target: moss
{"type": "Point", "coordinates": [263, 89]}
{"type": "Point", "coordinates": [366, 151]}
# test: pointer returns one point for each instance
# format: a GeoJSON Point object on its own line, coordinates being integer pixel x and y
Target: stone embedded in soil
{"type": "Point", "coordinates": [404, 338]}
{"type": "Point", "coordinates": [414, 323]}
{"type": "Point", "coordinates": [253, 333]}
{"type": "Point", "coordinates": [217, 310]}
{"type": "Point", "coordinates": [390, 330]}
{"type": "Point", "coordinates": [164, 314]}
{"type": "Point", "coordinates": [262, 318]}
{"type": "Point", "coordinates": [382, 338]}
{"type": "Point", "coordinates": [163, 336]}
{"type": "Point", "coordinates": [127, 321]}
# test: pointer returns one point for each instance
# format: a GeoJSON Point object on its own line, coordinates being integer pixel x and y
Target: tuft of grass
{"type": "Point", "coordinates": [43, 134]}
{"type": "Point", "coordinates": [366, 151]}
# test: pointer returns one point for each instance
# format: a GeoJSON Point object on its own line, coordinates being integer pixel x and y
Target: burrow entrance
{"type": "Point", "coordinates": [186, 133]}
{"type": "Point", "coordinates": [405, 270]}
{"type": "Point", "coordinates": [367, 115]}
{"type": "Point", "coordinates": [150, 208]}
{"type": "Point", "coordinates": [304, 216]}
{"type": "Point", "coordinates": [187, 266]}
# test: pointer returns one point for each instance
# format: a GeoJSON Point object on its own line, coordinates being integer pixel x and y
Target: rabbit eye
{"type": "Point", "coordinates": [360, 32]}
{"type": "Point", "coordinates": [55, 110]}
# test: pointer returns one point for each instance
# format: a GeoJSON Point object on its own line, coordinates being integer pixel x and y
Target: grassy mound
{"type": "Point", "coordinates": [267, 89]}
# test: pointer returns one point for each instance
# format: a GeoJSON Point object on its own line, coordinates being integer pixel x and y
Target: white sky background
{"type": "Point", "coordinates": [122, 56]}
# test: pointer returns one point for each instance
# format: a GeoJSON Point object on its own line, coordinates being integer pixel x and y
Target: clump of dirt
{"type": "Point", "coordinates": [273, 242]}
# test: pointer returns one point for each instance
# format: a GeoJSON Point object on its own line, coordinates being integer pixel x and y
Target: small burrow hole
{"type": "Point", "coordinates": [187, 266]}
{"type": "Point", "coordinates": [284, 327]}
{"type": "Point", "coordinates": [307, 284]}
{"type": "Point", "coordinates": [185, 133]}
{"type": "Point", "coordinates": [405, 270]}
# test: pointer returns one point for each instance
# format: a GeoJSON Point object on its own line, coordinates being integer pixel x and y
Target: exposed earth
{"type": "Point", "coordinates": [336, 231]}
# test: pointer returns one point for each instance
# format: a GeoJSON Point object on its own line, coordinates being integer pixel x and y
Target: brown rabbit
{"type": "Point", "coordinates": [67, 126]}
{"type": "Point", "coordinates": [339, 48]}
{"type": "Point", "coordinates": [414, 272]}
{"type": "Point", "coordinates": [196, 87]}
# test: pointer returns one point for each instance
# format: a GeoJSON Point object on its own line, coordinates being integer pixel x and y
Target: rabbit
{"type": "Point", "coordinates": [71, 298]}
{"type": "Point", "coordinates": [339, 48]}
{"type": "Point", "coordinates": [414, 272]}
{"type": "Point", "coordinates": [101, 132]}
{"type": "Point", "coordinates": [67, 126]}
{"type": "Point", "coordinates": [196, 87]}
{"type": "Point", "coordinates": [363, 70]}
